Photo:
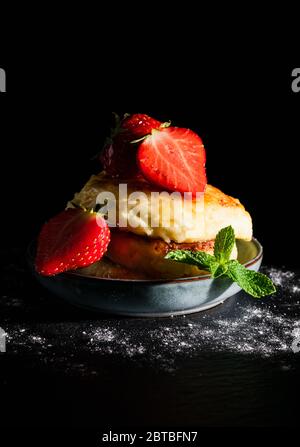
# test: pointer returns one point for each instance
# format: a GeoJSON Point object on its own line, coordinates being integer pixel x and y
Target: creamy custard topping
{"type": "Point", "coordinates": [200, 220]}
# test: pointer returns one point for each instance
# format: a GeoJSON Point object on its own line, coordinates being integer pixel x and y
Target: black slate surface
{"type": "Point", "coordinates": [235, 365]}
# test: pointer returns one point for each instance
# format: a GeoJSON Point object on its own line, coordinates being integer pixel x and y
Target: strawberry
{"type": "Point", "coordinates": [118, 156]}
{"type": "Point", "coordinates": [74, 238]}
{"type": "Point", "coordinates": [139, 125]}
{"type": "Point", "coordinates": [174, 159]}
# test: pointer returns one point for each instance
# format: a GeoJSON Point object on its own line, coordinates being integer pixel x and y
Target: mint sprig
{"type": "Point", "coordinates": [219, 264]}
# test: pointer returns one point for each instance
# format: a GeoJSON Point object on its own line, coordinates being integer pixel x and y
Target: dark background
{"type": "Point", "coordinates": [53, 121]}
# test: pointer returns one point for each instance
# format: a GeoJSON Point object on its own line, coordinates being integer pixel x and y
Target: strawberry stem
{"type": "Point", "coordinates": [78, 206]}
{"type": "Point", "coordinates": [139, 140]}
{"type": "Point", "coordinates": [162, 126]}
{"type": "Point", "coordinates": [166, 125]}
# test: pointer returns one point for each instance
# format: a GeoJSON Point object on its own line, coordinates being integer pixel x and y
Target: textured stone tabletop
{"type": "Point", "coordinates": [237, 364]}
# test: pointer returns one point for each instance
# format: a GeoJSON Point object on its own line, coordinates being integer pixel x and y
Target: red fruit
{"type": "Point", "coordinates": [73, 239]}
{"type": "Point", "coordinates": [139, 125]}
{"type": "Point", "coordinates": [174, 159]}
{"type": "Point", "coordinates": [118, 157]}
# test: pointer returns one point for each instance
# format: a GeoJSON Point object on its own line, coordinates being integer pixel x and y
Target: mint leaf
{"type": "Point", "coordinates": [199, 258]}
{"type": "Point", "coordinates": [224, 244]}
{"type": "Point", "coordinates": [254, 283]}
{"type": "Point", "coordinates": [202, 260]}
{"type": "Point", "coordinates": [218, 269]}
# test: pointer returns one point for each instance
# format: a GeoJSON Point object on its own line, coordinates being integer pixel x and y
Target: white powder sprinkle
{"type": "Point", "coordinates": [243, 325]}
{"type": "Point", "coordinates": [281, 277]}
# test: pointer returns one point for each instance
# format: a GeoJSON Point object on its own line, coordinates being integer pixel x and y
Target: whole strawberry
{"type": "Point", "coordinates": [118, 156]}
{"type": "Point", "coordinates": [74, 238]}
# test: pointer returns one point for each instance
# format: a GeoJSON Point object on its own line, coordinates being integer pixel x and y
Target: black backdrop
{"type": "Point", "coordinates": [53, 123]}
{"type": "Point", "coordinates": [54, 118]}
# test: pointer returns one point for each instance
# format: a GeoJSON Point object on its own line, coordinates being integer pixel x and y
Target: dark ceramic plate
{"type": "Point", "coordinates": [149, 298]}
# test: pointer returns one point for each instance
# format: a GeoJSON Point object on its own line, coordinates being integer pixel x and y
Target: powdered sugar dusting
{"type": "Point", "coordinates": [282, 277]}
{"type": "Point", "coordinates": [243, 325]}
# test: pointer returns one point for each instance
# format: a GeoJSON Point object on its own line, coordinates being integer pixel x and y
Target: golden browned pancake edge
{"type": "Point", "coordinates": [147, 256]}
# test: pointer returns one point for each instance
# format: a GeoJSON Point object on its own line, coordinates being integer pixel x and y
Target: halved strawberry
{"type": "Point", "coordinates": [174, 159]}
{"type": "Point", "coordinates": [74, 238]}
{"type": "Point", "coordinates": [118, 156]}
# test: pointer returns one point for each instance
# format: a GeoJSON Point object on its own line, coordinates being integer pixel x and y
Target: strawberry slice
{"type": "Point", "coordinates": [174, 159]}
{"type": "Point", "coordinates": [118, 156]}
{"type": "Point", "coordinates": [73, 239]}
